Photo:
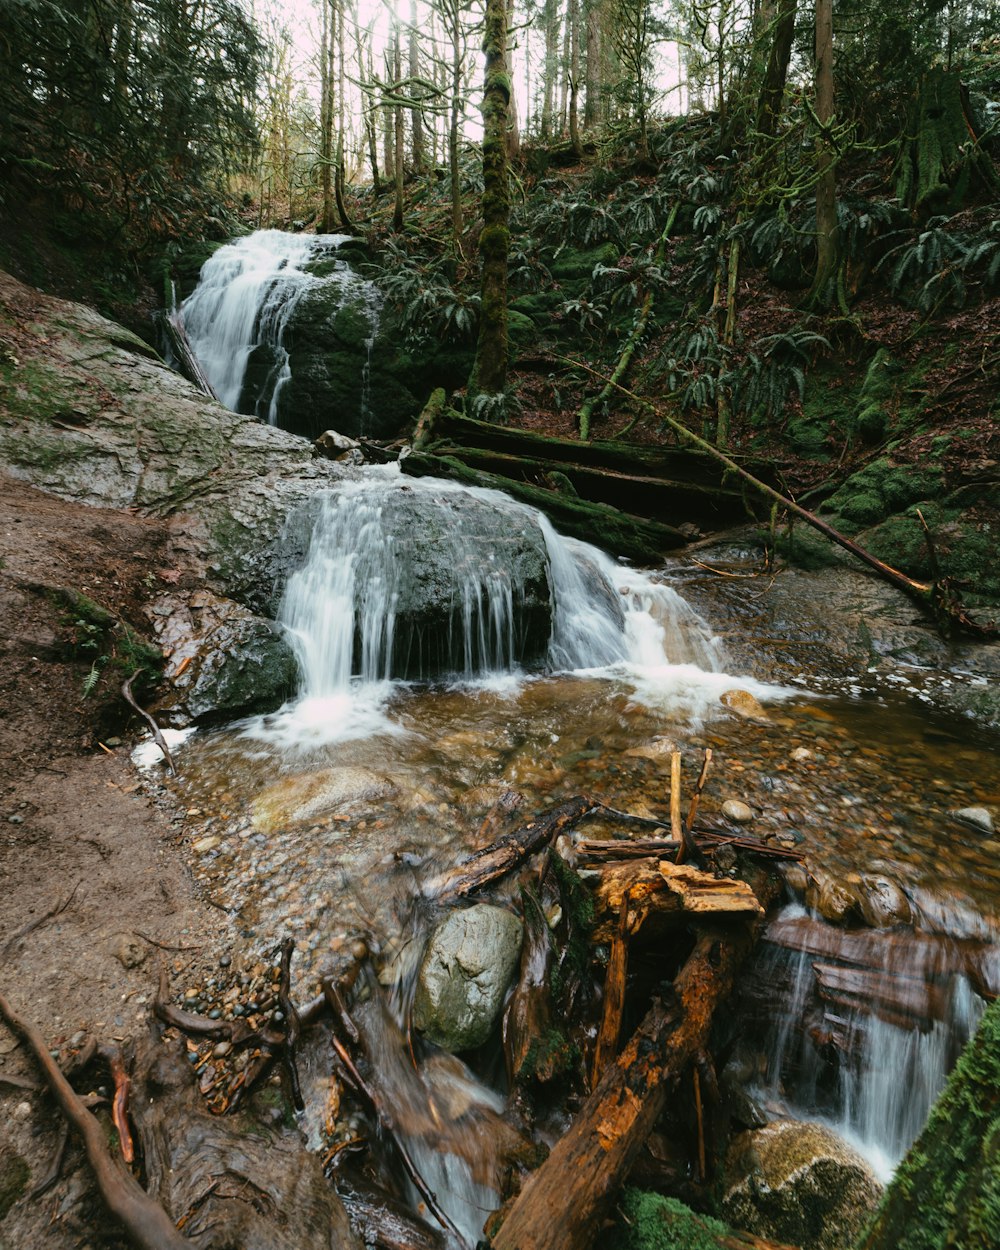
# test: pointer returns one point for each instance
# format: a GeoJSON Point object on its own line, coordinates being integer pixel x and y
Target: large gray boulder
{"type": "Point", "coordinates": [446, 559]}
{"type": "Point", "coordinates": [467, 968]}
{"type": "Point", "coordinates": [799, 1183]}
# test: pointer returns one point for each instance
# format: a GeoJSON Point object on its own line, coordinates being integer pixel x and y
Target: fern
{"type": "Point", "coordinates": [93, 676]}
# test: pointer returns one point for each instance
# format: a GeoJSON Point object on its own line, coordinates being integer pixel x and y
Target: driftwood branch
{"type": "Point", "coordinates": [147, 1224]}
{"type": "Point", "coordinates": [158, 737]}
{"type": "Point", "coordinates": [511, 849]}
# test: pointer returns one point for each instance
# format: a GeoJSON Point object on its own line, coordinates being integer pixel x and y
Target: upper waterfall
{"type": "Point", "coordinates": [237, 317]}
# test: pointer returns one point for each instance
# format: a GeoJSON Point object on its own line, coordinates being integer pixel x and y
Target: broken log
{"type": "Point", "coordinates": [146, 1222]}
{"type": "Point", "coordinates": [527, 1018]}
{"type": "Point", "coordinates": [613, 1006]}
{"type": "Point", "coordinates": [643, 848]}
{"type": "Point", "coordinates": [563, 1205]}
{"type": "Point", "coordinates": [665, 889]}
{"type": "Point", "coordinates": [511, 849]}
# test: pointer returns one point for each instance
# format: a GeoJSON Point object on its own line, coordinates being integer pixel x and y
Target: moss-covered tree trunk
{"type": "Point", "coordinates": [827, 235]}
{"type": "Point", "coordinates": [947, 1190]}
{"type": "Point", "coordinates": [772, 89]}
{"type": "Point", "coordinates": [489, 376]}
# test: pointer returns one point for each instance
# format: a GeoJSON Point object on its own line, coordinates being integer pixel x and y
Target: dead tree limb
{"type": "Point", "coordinates": [158, 737]}
{"type": "Point", "coordinates": [937, 597]}
{"type": "Point", "coordinates": [563, 1205]}
{"type": "Point", "coordinates": [511, 849]}
{"type": "Point", "coordinates": [147, 1224]}
{"type": "Point", "coordinates": [32, 925]}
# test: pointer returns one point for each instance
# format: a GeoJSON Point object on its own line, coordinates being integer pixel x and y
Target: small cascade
{"type": "Point", "coordinates": [242, 305]}
{"type": "Point", "coordinates": [422, 579]}
{"type": "Point", "coordinates": [862, 1027]}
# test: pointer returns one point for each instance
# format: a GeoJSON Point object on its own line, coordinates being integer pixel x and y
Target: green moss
{"type": "Point", "coordinates": [14, 1174]}
{"type": "Point", "coordinates": [579, 265]}
{"type": "Point", "coordinates": [946, 1193]}
{"type": "Point", "coordinates": [652, 1222]}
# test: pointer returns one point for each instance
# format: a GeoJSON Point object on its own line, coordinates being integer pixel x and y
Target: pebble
{"type": "Point", "coordinates": [801, 754]}
{"type": "Point", "coordinates": [977, 816]}
{"type": "Point", "coordinates": [221, 1050]}
{"type": "Point", "coordinates": [737, 811]}
{"type": "Point", "coordinates": [207, 844]}
{"type": "Point", "coordinates": [22, 1111]}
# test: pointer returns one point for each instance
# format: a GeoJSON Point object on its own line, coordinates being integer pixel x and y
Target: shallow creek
{"type": "Point", "coordinates": [328, 842]}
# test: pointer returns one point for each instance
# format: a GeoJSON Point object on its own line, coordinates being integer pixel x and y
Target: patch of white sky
{"type": "Point", "coordinates": [526, 55]}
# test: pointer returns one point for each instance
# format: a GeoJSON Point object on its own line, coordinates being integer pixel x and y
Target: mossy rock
{"type": "Point", "coordinates": [521, 330]}
{"type": "Point", "coordinates": [883, 488]}
{"type": "Point", "coordinates": [539, 305]}
{"type": "Point", "coordinates": [575, 265]}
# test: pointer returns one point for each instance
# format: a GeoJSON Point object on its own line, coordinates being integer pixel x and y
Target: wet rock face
{"type": "Point", "coordinates": [468, 965]}
{"type": "Point", "coordinates": [799, 1183]}
{"type": "Point", "coordinates": [345, 368]}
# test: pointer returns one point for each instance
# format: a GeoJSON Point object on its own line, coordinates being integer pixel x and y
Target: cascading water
{"type": "Point", "coordinates": [863, 1027]}
{"type": "Point", "coordinates": [246, 295]}
{"type": "Point", "coordinates": [417, 578]}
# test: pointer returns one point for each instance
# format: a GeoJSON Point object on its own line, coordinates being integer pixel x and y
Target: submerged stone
{"type": "Point", "coordinates": [298, 800]}
{"type": "Point", "coordinates": [468, 965]}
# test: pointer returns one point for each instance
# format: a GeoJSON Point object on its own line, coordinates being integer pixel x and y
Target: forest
{"type": "Point", "coordinates": [411, 416]}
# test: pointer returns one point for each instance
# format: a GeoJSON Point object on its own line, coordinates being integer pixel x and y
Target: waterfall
{"type": "Point", "coordinates": [244, 300]}
{"type": "Point", "coordinates": [422, 579]}
{"type": "Point", "coordinates": [863, 1027]}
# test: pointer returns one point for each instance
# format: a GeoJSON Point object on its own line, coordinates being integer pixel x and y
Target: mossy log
{"type": "Point", "coordinates": [563, 1205]}
{"type": "Point", "coordinates": [652, 1222]}
{"type": "Point", "coordinates": [438, 423]}
{"type": "Point", "coordinates": [626, 535]}
{"type": "Point", "coordinates": [643, 494]}
{"type": "Point", "coordinates": [947, 1190]}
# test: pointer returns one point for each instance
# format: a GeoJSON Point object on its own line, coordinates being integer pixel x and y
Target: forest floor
{"type": "Point", "coordinates": [93, 868]}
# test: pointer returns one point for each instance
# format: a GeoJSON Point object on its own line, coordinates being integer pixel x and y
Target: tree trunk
{"type": "Point", "coordinates": [490, 370]}
{"type": "Point", "coordinates": [326, 147]}
{"type": "Point", "coordinates": [827, 241]}
{"type": "Point", "coordinates": [457, 223]}
{"type": "Point", "coordinates": [772, 90]}
{"type": "Point", "coordinates": [551, 18]}
{"type": "Point", "coordinates": [419, 157]}
{"type": "Point", "coordinates": [592, 106]}
{"type": "Point", "coordinates": [398, 132]}
{"type": "Point", "coordinates": [341, 173]}
{"type": "Point", "coordinates": [573, 17]}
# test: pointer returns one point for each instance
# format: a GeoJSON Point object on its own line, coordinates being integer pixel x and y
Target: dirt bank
{"type": "Point", "coordinates": [78, 830]}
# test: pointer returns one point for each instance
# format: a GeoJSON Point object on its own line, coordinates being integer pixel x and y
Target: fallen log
{"type": "Point", "coordinates": [563, 1205]}
{"type": "Point", "coordinates": [145, 1221]}
{"type": "Point", "coordinates": [631, 536]}
{"type": "Point", "coordinates": [938, 597]}
{"type": "Point", "coordinates": [598, 850]}
{"type": "Point", "coordinates": [511, 849]}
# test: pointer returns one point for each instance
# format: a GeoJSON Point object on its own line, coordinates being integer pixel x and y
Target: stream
{"type": "Point", "coordinates": [329, 819]}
